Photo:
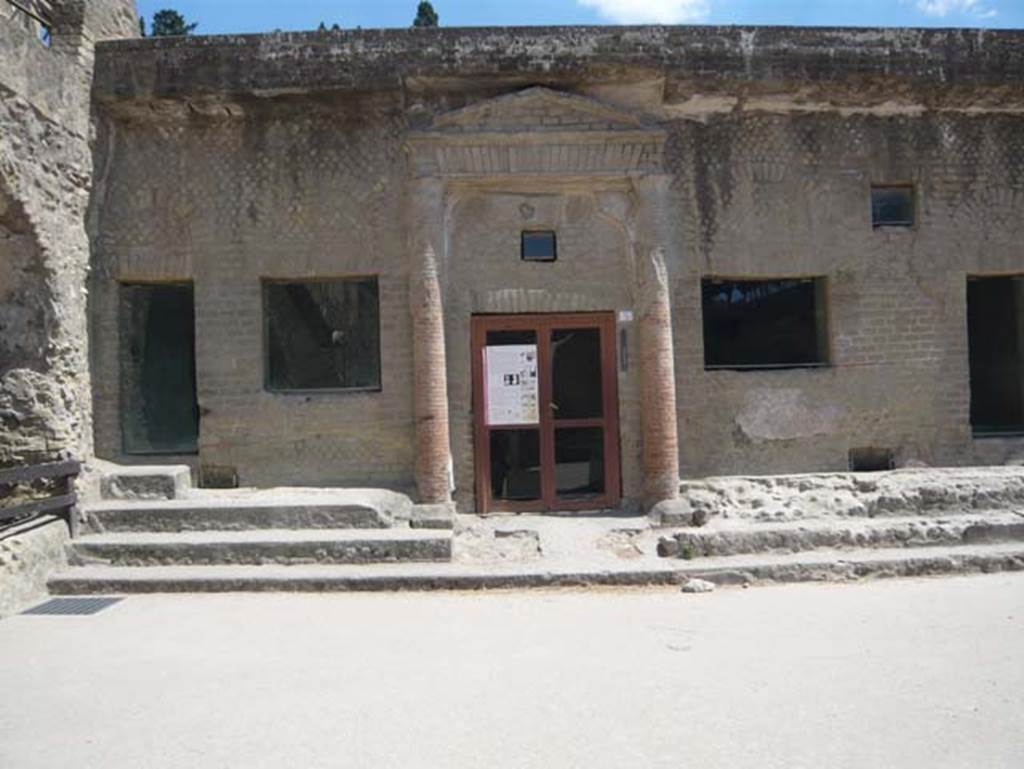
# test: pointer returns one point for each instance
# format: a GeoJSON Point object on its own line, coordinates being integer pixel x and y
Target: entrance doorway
{"type": "Point", "coordinates": [545, 405]}
{"type": "Point", "coordinates": [160, 413]}
{"type": "Point", "coordinates": [995, 331]}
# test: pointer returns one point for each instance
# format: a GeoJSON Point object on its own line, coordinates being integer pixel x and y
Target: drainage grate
{"type": "Point", "coordinates": [77, 606]}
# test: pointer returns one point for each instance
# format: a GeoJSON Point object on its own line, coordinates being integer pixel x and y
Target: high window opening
{"type": "Point", "coordinates": [892, 205]}
{"type": "Point", "coordinates": [160, 413]}
{"type": "Point", "coordinates": [322, 334]}
{"type": "Point", "coordinates": [764, 324]}
{"type": "Point", "coordinates": [538, 246]}
{"type": "Point", "coordinates": [995, 331]}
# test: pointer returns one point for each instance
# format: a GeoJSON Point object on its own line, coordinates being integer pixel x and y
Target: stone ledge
{"type": "Point", "coordinates": [286, 64]}
{"type": "Point", "coordinates": [29, 554]}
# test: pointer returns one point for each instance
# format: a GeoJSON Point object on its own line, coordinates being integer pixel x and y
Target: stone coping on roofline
{"type": "Point", "coordinates": [935, 67]}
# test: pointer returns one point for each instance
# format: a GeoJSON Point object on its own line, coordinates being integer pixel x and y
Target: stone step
{"type": "Point", "coordinates": [239, 510]}
{"type": "Point", "coordinates": [146, 482]}
{"type": "Point", "coordinates": [906, 492]}
{"type": "Point", "coordinates": [286, 547]}
{"type": "Point", "coordinates": [737, 537]}
{"type": "Point", "coordinates": [763, 568]}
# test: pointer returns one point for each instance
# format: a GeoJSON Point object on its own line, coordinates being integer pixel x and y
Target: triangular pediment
{"type": "Point", "coordinates": [537, 109]}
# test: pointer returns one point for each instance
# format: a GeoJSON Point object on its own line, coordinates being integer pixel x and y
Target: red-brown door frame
{"type": "Point", "coordinates": [609, 421]}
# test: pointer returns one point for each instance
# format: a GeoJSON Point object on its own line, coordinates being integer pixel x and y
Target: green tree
{"type": "Point", "coordinates": [167, 23]}
{"type": "Point", "coordinates": [142, 26]}
{"type": "Point", "coordinates": [426, 16]}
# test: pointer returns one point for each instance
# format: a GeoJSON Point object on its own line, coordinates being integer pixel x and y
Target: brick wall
{"type": "Point", "coordinates": [230, 189]}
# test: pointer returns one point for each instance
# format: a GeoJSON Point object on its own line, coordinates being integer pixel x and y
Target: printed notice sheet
{"type": "Point", "coordinates": [511, 384]}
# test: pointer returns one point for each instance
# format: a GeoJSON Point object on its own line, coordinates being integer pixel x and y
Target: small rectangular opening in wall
{"type": "Point", "coordinates": [995, 339]}
{"type": "Point", "coordinates": [871, 459]}
{"type": "Point", "coordinates": [892, 205]}
{"type": "Point", "coordinates": [764, 324]}
{"type": "Point", "coordinates": [322, 334]}
{"type": "Point", "coordinates": [218, 477]}
{"type": "Point", "coordinates": [539, 246]}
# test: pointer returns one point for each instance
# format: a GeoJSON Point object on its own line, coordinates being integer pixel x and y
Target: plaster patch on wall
{"type": "Point", "coordinates": [779, 414]}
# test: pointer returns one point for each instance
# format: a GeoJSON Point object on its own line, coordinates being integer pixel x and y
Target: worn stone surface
{"type": "Point", "coordinates": [832, 534]}
{"type": "Point", "coordinates": [45, 179]}
{"type": "Point", "coordinates": [246, 509]}
{"type": "Point", "coordinates": [843, 495]}
{"type": "Point", "coordinates": [294, 547]}
{"type": "Point", "coordinates": [146, 482]}
{"type": "Point", "coordinates": [696, 585]}
{"type": "Point", "coordinates": [29, 554]}
{"type": "Point", "coordinates": [818, 566]}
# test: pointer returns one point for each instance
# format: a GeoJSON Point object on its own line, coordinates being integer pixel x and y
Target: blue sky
{"type": "Point", "coordinates": [225, 16]}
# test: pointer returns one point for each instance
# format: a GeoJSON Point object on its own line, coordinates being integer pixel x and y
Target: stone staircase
{"type": "Point", "coordinates": [153, 533]}
{"type": "Point", "coordinates": [848, 525]}
{"type": "Point", "coordinates": [152, 530]}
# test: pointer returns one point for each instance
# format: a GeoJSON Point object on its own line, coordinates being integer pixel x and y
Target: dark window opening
{"type": "Point", "coordinates": [871, 460]}
{"type": "Point", "coordinates": [539, 247]}
{"type": "Point", "coordinates": [160, 413]}
{"type": "Point", "coordinates": [751, 324]}
{"type": "Point", "coordinates": [995, 335]}
{"type": "Point", "coordinates": [323, 335]}
{"type": "Point", "coordinates": [892, 206]}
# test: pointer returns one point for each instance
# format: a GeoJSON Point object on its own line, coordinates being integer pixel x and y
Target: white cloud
{"type": "Point", "coordinates": [649, 11]}
{"type": "Point", "coordinates": [943, 8]}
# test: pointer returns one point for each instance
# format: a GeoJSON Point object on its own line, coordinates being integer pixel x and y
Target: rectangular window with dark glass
{"type": "Point", "coordinates": [892, 205]}
{"type": "Point", "coordinates": [750, 324]}
{"type": "Point", "coordinates": [322, 334]}
{"type": "Point", "coordinates": [539, 246]}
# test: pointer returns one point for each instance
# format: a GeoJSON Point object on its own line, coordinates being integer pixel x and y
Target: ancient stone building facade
{"type": "Point", "coordinates": [751, 247]}
{"type": "Point", "coordinates": [45, 180]}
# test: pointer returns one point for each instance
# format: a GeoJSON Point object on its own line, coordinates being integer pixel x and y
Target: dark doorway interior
{"type": "Point", "coordinates": [995, 330]}
{"type": "Point", "coordinates": [159, 411]}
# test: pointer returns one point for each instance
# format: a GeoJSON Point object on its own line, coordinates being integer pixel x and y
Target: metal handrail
{"type": "Point", "coordinates": [64, 502]}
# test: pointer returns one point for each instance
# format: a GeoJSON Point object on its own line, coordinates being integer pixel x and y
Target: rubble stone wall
{"type": "Point", "coordinates": [45, 174]}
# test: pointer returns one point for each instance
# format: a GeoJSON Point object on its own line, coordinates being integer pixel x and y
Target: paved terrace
{"type": "Point", "coordinates": [900, 674]}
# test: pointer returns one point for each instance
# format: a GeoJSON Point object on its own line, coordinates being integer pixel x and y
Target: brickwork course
{"type": "Point", "coordinates": [659, 155]}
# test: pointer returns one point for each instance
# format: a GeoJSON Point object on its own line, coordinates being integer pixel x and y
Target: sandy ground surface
{"type": "Point", "coordinates": [903, 673]}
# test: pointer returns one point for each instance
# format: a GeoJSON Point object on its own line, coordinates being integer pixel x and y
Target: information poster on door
{"type": "Point", "coordinates": [512, 384]}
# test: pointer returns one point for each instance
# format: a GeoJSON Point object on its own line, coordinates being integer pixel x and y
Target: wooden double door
{"type": "Point", "coordinates": [545, 406]}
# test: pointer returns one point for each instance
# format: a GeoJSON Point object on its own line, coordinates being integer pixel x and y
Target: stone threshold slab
{"type": "Point", "coordinates": [744, 570]}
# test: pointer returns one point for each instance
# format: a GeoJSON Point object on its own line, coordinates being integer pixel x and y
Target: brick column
{"type": "Point", "coordinates": [430, 378]}
{"type": "Point", "coordinates": [658, 418]}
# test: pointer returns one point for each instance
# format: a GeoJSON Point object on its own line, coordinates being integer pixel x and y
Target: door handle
{"type": "Point", "coordinates": [553, 405]}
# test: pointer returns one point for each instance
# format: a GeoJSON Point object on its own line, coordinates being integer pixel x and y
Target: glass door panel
{"type": "Point", "coordinates": [579, 462]}
{"type": "Point", "coordinates": [515, 465]}
{"type": "Point", "coordinates": [576, 391]}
